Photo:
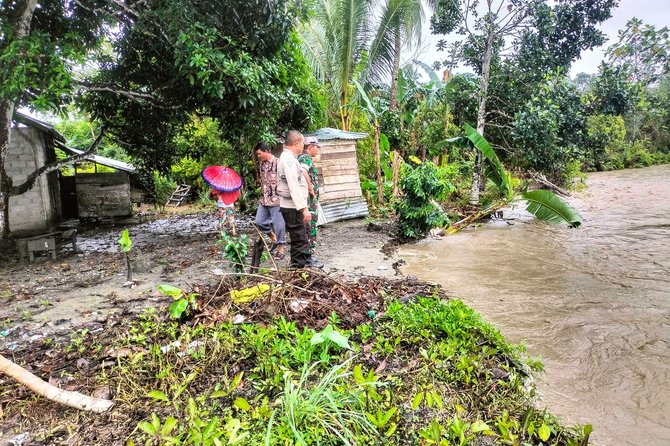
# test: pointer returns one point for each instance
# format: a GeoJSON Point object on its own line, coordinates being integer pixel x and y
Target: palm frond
{"type": "Point", "coordinates": [399, 19]}
{"type": "Point", "coordinates": [352, 19]}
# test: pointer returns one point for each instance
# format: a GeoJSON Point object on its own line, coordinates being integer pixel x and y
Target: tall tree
{"type": "Point", "coordinates": [399, 28]}
{"type": "Point", "coordinates": [482, 32]}
{"type": "Point", "coordinates": [37, 49]}
{"type": "Point", "coordinates": [237, 61]}
{"type": "Point", "coordinates": [539, 36]}
{"type": "Point", "coordinates": [347, 40]}
{"type": "Point", "coordinates": [335, 41]}
{"type": "Point", "coordinates": [642, 50]}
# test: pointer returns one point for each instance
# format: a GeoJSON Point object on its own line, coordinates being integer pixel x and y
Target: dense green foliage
{"type": "Point", "coordinates": [180, 85]}
{"type": "Point", "coordinates": [245, 70]}
{"type": "Point", "coordinates": [418, 210]}
{"type": "Point", "coordinates": [549, 127]}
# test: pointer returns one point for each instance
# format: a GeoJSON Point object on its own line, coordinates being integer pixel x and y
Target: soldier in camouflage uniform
{"type": "Point", "coordinates": [310, 150]}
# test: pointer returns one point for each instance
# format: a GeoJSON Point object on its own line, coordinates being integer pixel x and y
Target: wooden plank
{"type": "Point", "coordinates": [327, 153]}
{"type": "Point", "coordinates": [336, 179]}
{"type": "Point", "coordinates": [338, 155]}
{"type": "Point", "coordinates": [327, 169]}
{"type": "Point", "coordinates": [330, 164]}
{"type": "Point", "coordinates": [340, 145]}
{"type": "Point", "coordinates": [340, 187]}
{"type": "Point", "coordinates": [338, 168]}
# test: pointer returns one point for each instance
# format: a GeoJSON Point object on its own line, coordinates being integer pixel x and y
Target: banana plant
{"type": "Point", "coordinates": [373, 114]}
{"type": "Point", "coordinates": [543, 204]}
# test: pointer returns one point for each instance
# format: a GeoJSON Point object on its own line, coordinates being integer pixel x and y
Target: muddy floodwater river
{"type": "Point", "coordinates": [593, 302]}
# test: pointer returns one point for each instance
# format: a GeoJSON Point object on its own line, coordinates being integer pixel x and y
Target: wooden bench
{"type": "Point", "coordinates": [51, 241]}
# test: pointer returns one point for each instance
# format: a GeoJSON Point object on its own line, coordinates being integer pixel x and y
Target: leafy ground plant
{"type": "Point", "coordinates": [126, 244]}
{"type": "Point", "coordinates": [181, 301]}
{"type": "Point", "coordinates": [235, 249]}
{"type": "Point", "coordinates": [417, 209]}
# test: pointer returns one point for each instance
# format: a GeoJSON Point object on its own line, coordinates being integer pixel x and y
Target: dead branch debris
{"type": "Point", "coordinates": [310, 297]}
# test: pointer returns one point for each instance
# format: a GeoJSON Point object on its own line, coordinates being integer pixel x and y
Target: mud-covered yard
{"type": "Point", "coordinates": [83, 289]}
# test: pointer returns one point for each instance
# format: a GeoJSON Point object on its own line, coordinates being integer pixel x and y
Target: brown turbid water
{"type": "Point", "coordinates": [593, 302]}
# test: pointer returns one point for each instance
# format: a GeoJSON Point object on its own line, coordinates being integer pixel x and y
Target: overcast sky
{"type": "Point", "coordinates": [653, 12]}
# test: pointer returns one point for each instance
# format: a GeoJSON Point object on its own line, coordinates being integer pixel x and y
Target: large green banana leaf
{"type": "Point", "coordinates": [494, 168]}
{"type": "Point", "coordinates": [548, 206]}
{"type": "Point", "coordinates": [368, 103]}
{"type": "Point", "coordinates": [434, 78]}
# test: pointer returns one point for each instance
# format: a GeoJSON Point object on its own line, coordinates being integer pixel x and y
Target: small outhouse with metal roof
{"type": "Point", "coordinates": [340, 193]}
{"type": "Point", "coordinates": [56, 196]}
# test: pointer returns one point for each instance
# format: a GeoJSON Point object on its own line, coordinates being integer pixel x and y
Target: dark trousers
{"type": "Point", "coordinates": [299, 242]}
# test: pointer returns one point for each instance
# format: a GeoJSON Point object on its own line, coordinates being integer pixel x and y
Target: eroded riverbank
{"type": "Point", "coordinates": [594, 303]}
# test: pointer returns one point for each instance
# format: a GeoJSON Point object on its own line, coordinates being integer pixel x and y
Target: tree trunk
{"type": "Point", "coordinates": [455, 227]}
{"type": "Point", "coordinates": [343, 111]}
{"type": "Point", "coordinates": [396, 172]}
{"type": "Point", "coordinates": [380, 180]}
{"type": "Point", "coordinates": [21, 24]}
{"type": "Point", "coordinates": [396, 69]}
{"type": "Point", "coordinates": [481, 113]}
{"type": "Point", "coordinates": [53, 393]}
{"type": "Point", "coordinates": [6, 113]}
{"type": "Point", "coordinates": [129, 277]}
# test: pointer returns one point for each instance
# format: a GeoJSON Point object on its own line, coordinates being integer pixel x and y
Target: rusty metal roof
{"type": "Point", "coordinates": [327, 133]}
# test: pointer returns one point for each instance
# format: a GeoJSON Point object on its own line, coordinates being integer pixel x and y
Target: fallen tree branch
{"type": "Point", "coordinates": [455, 227]}
{"type": "Point", "coordinates": [540, 178]}
{"type": "Point", "coordinates": [53, 166]}
{"type": "Point", "coordinates": [53, 393]}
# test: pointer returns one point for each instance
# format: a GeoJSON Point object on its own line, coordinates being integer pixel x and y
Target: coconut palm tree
{"type": "Point", "coordinates": [335, 41]}
{"type": "Point", "coordinates": [342, 44]}
{"type": "Point", "coordinates": [399, 28]}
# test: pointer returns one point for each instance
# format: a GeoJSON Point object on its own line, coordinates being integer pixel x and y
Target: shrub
{"type": "Point", "coordinates": [606, 135]}
{"type": "Point", "coordinates": [637, 155]}
{"type": "Point", "coordinates": [163, 188]}
{"type": "Point", "coordinates": [573, 177]}
{"type": "Point", "coordinates": [417, 209]}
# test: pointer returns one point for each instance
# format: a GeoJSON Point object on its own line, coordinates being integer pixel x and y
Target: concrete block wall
{"type": "Point", "coordinates": [103, 195]}
{"type": "Point", "coordinates": [32, 212]}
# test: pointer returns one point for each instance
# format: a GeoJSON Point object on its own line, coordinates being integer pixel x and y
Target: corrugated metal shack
{"type": "Point", "coordinates": [339, 181]}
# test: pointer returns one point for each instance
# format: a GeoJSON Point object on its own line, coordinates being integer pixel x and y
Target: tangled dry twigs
{"type": "Point", "coordinates": [308, 297]}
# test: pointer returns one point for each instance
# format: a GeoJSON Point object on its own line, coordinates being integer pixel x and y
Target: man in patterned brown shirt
{"type": "Point", "coordinates": [268, 204]}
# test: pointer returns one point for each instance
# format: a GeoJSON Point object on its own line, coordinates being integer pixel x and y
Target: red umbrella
{"type": "Point", "coordinates": [222, 178]}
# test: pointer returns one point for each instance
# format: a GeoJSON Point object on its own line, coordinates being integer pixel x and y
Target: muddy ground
{"type": "Point", "coordinates": [77, 290]}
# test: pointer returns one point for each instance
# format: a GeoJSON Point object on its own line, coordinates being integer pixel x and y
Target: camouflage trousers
{"type": "Point", "coordinates": [310, 227]}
